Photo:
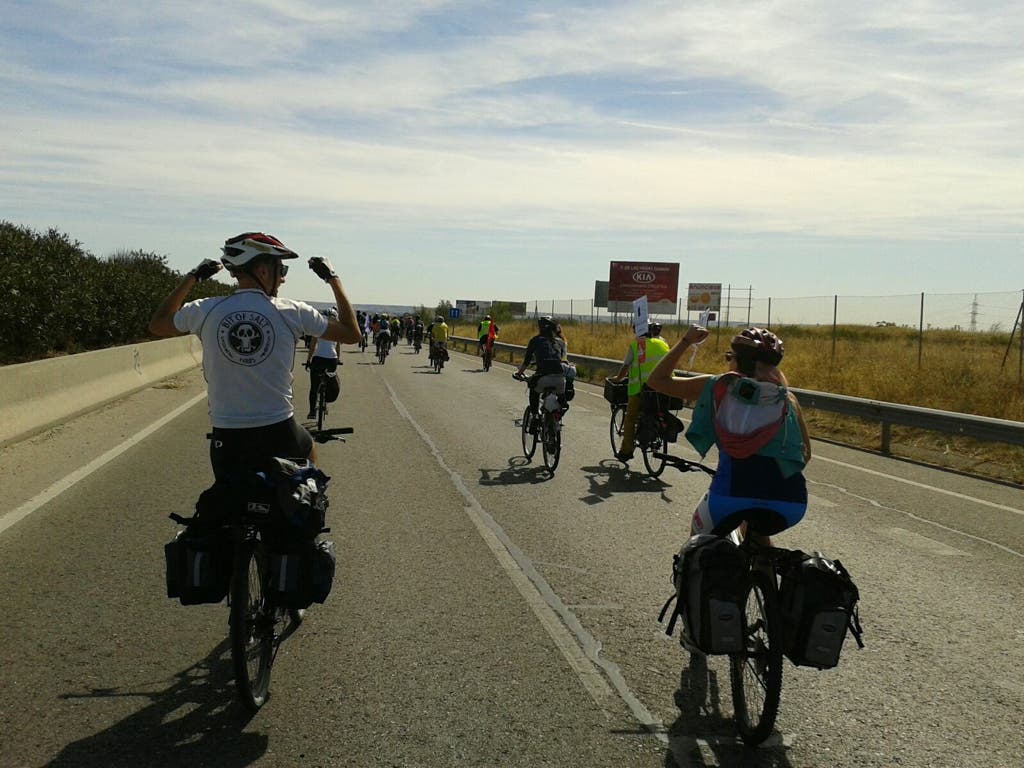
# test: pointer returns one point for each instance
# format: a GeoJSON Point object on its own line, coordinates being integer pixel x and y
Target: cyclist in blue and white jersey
{"type": "Point", "coordinates": [749, 413]}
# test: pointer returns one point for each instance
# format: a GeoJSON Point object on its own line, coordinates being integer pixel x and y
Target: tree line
{"type": "Point", "coordinates": [60, 299]}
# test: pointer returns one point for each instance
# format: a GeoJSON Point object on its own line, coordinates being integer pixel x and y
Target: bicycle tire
{"type": "Point", "coordinates": [251, 624]}
{"type": "Point", "coordinates": [529, 439]}
{"type": "Point", "coordinates": [654, 466]}
{"type": "Point", "coordinates": [487, 360]}
{"type": "Point", "coordinates": [551, 443]}
{"type": "Point", "coordinates": [615, 427]}
{"type": "Point", "coordinates": [756, 674]}
{"type": "Point", "coordinates": [321, 405]}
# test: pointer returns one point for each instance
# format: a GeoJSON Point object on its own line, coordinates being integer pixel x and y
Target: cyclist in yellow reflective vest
{"type": "Point", "coordinates": [641, 358]}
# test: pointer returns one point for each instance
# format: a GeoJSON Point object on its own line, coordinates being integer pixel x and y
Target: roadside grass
{"type": "Point", "coordinates": [958, 371]}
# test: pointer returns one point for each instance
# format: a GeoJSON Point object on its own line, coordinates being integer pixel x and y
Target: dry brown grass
{"type": "Point", "coordinates": [960, 372]}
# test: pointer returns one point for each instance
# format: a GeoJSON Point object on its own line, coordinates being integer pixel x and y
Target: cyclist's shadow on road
{"type": "Point", "coordinates": [518, 472]}
{"type": "Point", "coordinates": [611, 477]}
{"type": "Point", "coordinates": [196, 720]}
{"type": "Point", "coordinates": [704, 734]}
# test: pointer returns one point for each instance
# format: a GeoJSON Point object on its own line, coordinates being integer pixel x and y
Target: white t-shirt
{"type": "Point", "coordinates": [325, 348]}
{"type": "Point", "coordinates": [249, 342]}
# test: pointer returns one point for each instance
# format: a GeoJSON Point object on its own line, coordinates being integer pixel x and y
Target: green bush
{"type": "Point", "coordinates": [61, 299]}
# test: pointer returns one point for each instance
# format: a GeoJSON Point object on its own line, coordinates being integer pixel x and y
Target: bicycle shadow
{"type": "Point", "coordinates": [196, 720]}
{"type": "Point", "coordinates": [610, 477]}
{"type": "Point", "coordinates": [519, 472]}
{"type": "Point", "coordinates": [704, 735]}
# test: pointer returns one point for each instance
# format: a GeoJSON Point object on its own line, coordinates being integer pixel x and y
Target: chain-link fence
{"type": "Point", "coordinates": [999, 313]}
{"type": "Point", "coordinates": [987, 312]}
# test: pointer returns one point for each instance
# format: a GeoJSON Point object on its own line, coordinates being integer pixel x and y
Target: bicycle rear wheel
{"type": "Point", "coordinates": [551, 442]}
{"type": "Point", "coordinates": [529, 435]}
{"type": "Point", "coordinates": [487, 359]}
{"type": "Point", "coordinates": [615, 427]}
{"type": "Point", "coordinates": [654, 466]}
{"type": "Point", "coordinates": [756, 673]}
{"type": "Point", "coordinates": [252, 626]}
{"type": "Point", "coordinates": [321, 406]}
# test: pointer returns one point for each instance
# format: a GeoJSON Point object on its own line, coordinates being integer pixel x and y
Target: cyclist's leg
{"type": "Point", "coordinates": [629, 424]}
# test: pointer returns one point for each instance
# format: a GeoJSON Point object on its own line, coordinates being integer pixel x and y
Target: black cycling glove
{"type": "Point", "coordinates": [322, 267]}
{"type": "Point", "coordinates": [207, 268]}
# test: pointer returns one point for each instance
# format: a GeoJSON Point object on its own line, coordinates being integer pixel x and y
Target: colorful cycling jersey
{"type": "Point", "coordinates": [439, 332]}
{"type": "Point", "coordinates": [249, 342]}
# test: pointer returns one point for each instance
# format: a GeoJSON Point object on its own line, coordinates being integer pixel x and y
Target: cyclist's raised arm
{"type": "Point", "coordinates": [162, 321]}
{"type": "Point", "coordinates": [663, 378]}
{"type": "Point", "coordinates": [345, 330]}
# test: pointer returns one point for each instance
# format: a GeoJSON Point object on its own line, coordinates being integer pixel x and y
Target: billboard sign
{"type": "Point", "coordinates": [657, 280]}
{"type": "Point", "coordinates": [600, 293]}
{"type": "Point", "coordinates": [704, 297]}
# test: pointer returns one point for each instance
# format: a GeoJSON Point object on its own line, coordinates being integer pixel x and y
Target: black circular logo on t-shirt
{"type": "Point", "coordinates": [246, 338]}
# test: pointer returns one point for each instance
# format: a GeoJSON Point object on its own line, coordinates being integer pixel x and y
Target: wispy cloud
{"type": "Point", "coordinates": [837, 120]}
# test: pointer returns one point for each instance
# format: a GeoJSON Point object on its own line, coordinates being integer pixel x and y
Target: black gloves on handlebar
{"type": "Point", "coordinates": [207, 268]}
{"type": "Point", "coordinates": [323, 269]}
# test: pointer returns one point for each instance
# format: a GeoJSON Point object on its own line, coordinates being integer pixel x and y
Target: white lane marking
{"type": "Point", "coordinates": [924, 543]}
{"type": "Point", "coordinates": [925, 486]}
{"type": "Point", "coordinates": [581, 652]}
{"type": "Point", "coordinates": [20, 513]}
{"type": "Point", "coordinates": [922, 520]}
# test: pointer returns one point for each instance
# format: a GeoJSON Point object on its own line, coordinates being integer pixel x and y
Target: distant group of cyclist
{"type": "Point", "coordinates": [249, 339]}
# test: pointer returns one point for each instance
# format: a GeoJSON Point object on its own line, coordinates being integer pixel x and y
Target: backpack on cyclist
{"type": "Point", "coordinates": [302, 574]}
{"type": "Point", "coordinates": [198, 565]}
{"type": "Point", "coordinates": [819, 606]}
{"type": "Point", "coordinates": [709, 574]}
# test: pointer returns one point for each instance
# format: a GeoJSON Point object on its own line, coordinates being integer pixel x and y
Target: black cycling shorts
{"type": "Point", "coordinates": [233, 450]}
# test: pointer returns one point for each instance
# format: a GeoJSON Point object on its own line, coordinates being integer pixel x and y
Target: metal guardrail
{"type": "Point", "coordinates": [887, 414]}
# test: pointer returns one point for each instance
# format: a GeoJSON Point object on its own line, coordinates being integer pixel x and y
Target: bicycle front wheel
{"type": "Point", "coordinates": [529, 434]}
{"type": "Point", "coordinates": [252, 626]}
{"type": "Point", "coordinates": [552, 442]}
{"type": "Point", "coordinates": [756, 672]}
{"type": "Point", "coordinates": [615, 427]}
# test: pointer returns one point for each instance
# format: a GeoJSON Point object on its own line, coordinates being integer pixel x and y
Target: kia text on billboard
{"type": "Point", "coordinates": [658, 281]}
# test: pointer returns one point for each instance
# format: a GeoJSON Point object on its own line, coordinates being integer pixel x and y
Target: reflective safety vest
{"type": "Point", "coordinates": [646, 354]}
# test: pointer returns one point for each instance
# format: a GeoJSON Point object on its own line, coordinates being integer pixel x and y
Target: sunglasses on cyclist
{"type": "Point", "coordinates": [284, 270]}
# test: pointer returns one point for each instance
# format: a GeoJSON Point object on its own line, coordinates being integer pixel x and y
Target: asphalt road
{"type": "Point", "coordinates": [484, 612]}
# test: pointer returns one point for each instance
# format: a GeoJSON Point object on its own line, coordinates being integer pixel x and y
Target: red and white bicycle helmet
{"type": "Point", "coordinates": [759, 344]}
{"type": "Point", "coordinates": [241, 249]}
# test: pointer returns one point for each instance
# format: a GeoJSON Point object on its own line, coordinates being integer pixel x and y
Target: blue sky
{"type": "Point", "coordinates": [477, 150]}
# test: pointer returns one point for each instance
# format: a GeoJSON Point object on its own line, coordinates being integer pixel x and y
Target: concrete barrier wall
{"type": "Point", "coordinates": [40, 394]}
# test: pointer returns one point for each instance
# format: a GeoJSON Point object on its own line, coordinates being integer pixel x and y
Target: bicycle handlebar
{"type": "Point", "coordinates": [684, 465]}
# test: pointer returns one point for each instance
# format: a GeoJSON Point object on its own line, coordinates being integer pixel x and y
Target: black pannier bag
{"type": "Point", "coordinates": [288, 499]}
{"type": "Point", "coordinates": [198, 565]}
{"type": "Point", "coordinates": [302, 574]}
{"type": "Point", "coordinates": [709, 575]}
{"type": "Point", "coordinates": [819, 606]}
{"type": "Point", "coordinates": [332, 387]}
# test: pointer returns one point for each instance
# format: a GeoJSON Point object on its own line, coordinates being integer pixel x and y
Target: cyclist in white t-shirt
{"type": "Point", "coordinates": [323, 357]}
{"type": "Point", "coordinates": [249, 340]}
